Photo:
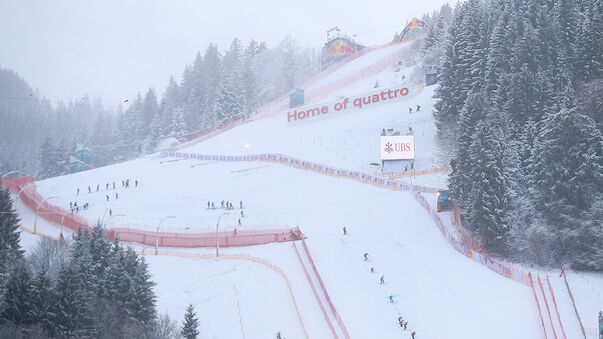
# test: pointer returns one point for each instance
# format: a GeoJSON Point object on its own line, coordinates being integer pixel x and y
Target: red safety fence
{"type": "Point", "coordinates": [464, 243]}
{"type": "Point", "coordinates": [322, 307]}
{"type": "Point", "coordinates": [555, 304]}
{"type": "Point", "coordinates": [24, 187]}
{"type": "Point", "coordinates": [548, 310]}
{"type": "Point", "coordinates": [324, 290]}
{"type": "Point", "coordinates": [538, 304]}
{"type": "Point", "coordinates": [29, 195]}
{"type": "Point", "coordinates": [190, 240]}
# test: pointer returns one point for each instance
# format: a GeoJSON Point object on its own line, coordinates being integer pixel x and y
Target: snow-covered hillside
{"type": "Point", "coordinates": [441, 293]}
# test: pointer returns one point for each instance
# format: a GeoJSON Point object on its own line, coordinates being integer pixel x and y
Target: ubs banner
{"type": "Point", "coordinates": [400, 147]}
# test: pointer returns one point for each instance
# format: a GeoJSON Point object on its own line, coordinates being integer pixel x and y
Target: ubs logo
{"type": "Point", "coordinates": [388, 148]}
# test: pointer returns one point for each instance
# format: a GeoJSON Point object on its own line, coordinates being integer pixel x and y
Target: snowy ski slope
{"type": "Point", "coordinates": [438, 291]}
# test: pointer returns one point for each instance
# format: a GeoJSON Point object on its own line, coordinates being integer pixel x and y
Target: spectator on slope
{"type": "Point", "coordinates": [107, 187]}
{"type": "Point", "coordinates": [127, 183]}
{"type": "Point", "coordinates": [107, 197]}
{"type": "Point", "coordinates": [401, 321]}
{"type": "Point", "coordinates": [213, 206]}
{"type": "Point", "coordinates": [372, 270]}
{"type": "Point", "coordinates": [365, 256]}
{"type": "Point", "coordinates": [405, 324]}
{"type": "Point", "coordinates": [135, 183]}
{"type": "Point", "coordinates": [239, 222]}
{"type": "Point", "coordinates": [412, 335]}
{"type": "Point", "coordinates": [382, 280]}
{"type": "Point", "coordinates": [242, 214]}
{"type": "Point", "coordinates": [391, 299]}
{"type": "Point", "coordinates": [114, 185]}
{"type": "Point", "coordinates": [123, 183]}
{"type": "Point", "coordinates": [97, 187]}
{"type": "Point", "coordinates": [78, 191]}
{"type": "Point", "coordinates": [241, 204]}
{"type": "Point", "coordinates": [345, 231]}
{"type": "Point", "coordinates": [116, 196]}
{"type": "Point", "coordinates": [418, 108]}
{"type": "Point", "coordinates": [222, 204]}
{"type": "Point", "coordinates": [409, 110]}
{"type": "Point", "coordinates": [110, 212]}
{"type": "Point", "coordinates": [208, 204]}
{"type": "Point", "coordinates": [89, 190]}
{"type": "Point", "coordinates": [70, 205]}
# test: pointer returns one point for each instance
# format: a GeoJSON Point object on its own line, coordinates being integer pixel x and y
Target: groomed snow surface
{"type": "Point", "coordinates": [438, 291]}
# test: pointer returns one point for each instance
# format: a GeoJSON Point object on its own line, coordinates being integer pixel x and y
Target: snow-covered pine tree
{"type": "Point", "coordinates": [144, 297]}
{"type": "Point", "coordinates": [567, 166]}
{"type": "Point", "coordinates": [150, 110]}
{"type": "Point", "coordinates": [449, 97]}
{"type": "Point", "coordinates": [230, 100]}
{"type": "Point", "coordinates": [460, 178]}
{"type": "Point", "coordinates": [17, 298]}
{"type": "Point", "coordinates": [72, 305]}
{"type": "Point", "coordinates": [10, 249]}
{"type": "Point", "coordinates": [212, 69]}
{"type": "Point", "coordinates": [190, 324]}
{"type": "Point", "coordinates": [42, 297]}
{"type": "Point", "coordinates": [487, 200]}
{"type": "Point", "coordinates": [160, 127]}
{"type": "Point", "coordinates": [177, 127]}
{"type": "Point", "coordinates": [47, 159]}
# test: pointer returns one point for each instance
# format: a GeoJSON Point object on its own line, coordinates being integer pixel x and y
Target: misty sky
{"type": "Point", "coordinates": [114, 49]}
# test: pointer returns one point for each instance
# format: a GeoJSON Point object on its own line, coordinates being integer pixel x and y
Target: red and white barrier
{"type": "Point", "coordinates": [72, 221]}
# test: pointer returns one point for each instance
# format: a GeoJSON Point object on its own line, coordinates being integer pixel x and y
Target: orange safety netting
{"type": "Point", "coordinates": [58, 216]}
{"type": "Point", "coordinates": [24, 186]}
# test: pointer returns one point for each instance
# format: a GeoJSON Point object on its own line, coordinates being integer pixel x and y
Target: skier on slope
{"type": "Point", "coordinates": [89, 190]}
{"type": "Point", "coordinates": [400, 321]}
{"type": "Point", "coordinates": [107, 197]}
{"type": "Point", "coordinates": [405, 324]}
{"type": "Point", "coordinates": [97, 187]}
{"type": "Point", "coordinates": [412, 335]}
{"type": "Point", "coordinates": [135, 183]}
{"type": "Point", "coordinates": [345, 231]}
{"type": "Point", "coordinates": [222, 203]}
{"type": "Point", "coordinates": [418, 108]}
{"type": "Point", "coordinates": [409, 110]}
{"type": "Point", "coordinates": [114, 185]}
{"type": "Point", "coordinates": [241, 204]}
{"type": "Point", "coordinates": [208, 204]}
{"type": "Point", "coordinates": [372, 270]}
{"type": "Point", "coordinates": [242, 214]}
{"type": "Point", "coordinates": [391, 298]}
{"type": "Point", "coordinates": [78, 191]}
{"type": "Point", "coordinates": [365, 256]}
{"type": "Point", "coordinates": [239, 222]}
{"type": "Point", "coordinates": [116, 195]}
{"type": "Point", "coordinates": [107, 187]}
{"type": "Point", "coordinates": [382, 280]}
